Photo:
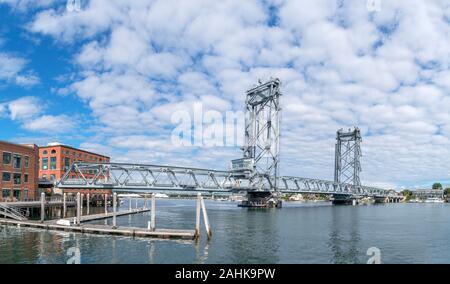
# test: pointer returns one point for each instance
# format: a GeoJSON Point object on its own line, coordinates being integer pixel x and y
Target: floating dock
{"type": "Point", "coordinates": [78, 224]}
{"type": "Point", "coordinates": [105, 230]}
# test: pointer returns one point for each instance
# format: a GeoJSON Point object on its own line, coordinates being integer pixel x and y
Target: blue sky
{"type": "Point", "coordinates": [110, 77]}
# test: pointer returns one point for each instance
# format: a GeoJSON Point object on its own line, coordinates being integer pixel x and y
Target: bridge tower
{"type": "Point", "coordinates": [262, 140]}
{"type": "Point", "coordinates": [347, 157]}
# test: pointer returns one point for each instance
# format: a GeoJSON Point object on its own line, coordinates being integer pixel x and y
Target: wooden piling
{"type": "Point", "coordinates": [87, 203]}
{"type": "Point", "coordinates": [78, 219]}
{"type": "Point", "coordinates": [145, 201]}
{"type": "Point", "coordinates": [64, 205]}
{"type": "Point", "coordinates": [106, 204]}
{"type": "Point", "coordinates": [42, 207]}
{"type": "Point", "coordinates": [82, 200]}
{"type": "Point", "coordinates": [153, 213]}
{"type": "Point", "coordinates": [114, 210]}
{"type": "Point", "coordinates": [206, 220]}
{"type": "Point", "coordinates": [197, 216]}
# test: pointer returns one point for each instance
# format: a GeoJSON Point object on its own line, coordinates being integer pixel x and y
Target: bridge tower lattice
{"type": "Point", "coordinates": [262, 133]}
{"type": "Point", "coordinates": [348, 157]}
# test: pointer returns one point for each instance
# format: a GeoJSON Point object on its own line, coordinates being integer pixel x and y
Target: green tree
{"type": "Point", "coordinates": [447, 191]}
{"type": "Point", "coordinates": [437, 185]}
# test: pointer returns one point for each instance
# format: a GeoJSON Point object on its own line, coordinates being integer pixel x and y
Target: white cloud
{"type": "Point", "coordinates": [29, 112]}
{"type": "Point", "coordinates": [12, 70]}
{"type": "Point", "coordinates": [340, 66]}
{"type": "Point", "coordinates": [23, 108]}
{"type": "Point", "coordinates": [51, 124]}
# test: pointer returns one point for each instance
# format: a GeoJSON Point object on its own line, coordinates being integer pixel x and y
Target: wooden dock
{"type": "Point", "coordinates": [105, 230]}
{"type": "Point", "coordinates": [80, 225]}
{"type": "Point", "coordinates": [101, 216]}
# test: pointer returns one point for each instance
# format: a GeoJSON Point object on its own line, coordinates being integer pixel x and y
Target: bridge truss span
{"type": "Point", "coordinates": [136, 178]}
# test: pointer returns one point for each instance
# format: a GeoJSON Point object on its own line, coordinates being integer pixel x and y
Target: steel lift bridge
{"type": "Point", "coordinates": [257, 173]}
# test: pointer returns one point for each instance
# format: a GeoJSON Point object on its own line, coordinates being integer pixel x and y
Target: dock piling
{"type": "Point", "coordinates": [153, 213]}
{"type": "Point", "coordinates": [206, 220]}
{"type": "Point", "coordinates": [197, 216]}
{"type": "Point", "coordinates": [114, 210]}
{"type": "Point", "coordinates": [42, 207]}
{"type": "Point", "coordinates": [87, 204]}
{"type": "Point", "coordinates": [78, 219]}
{"type": "Point", "coordinates": [64, 205]}
{"type": "Point", "coordinates": [82, 200]}
{"type": "Point", "coordinates": [145, 201]}
{"type": "Point", "coordinates": [106, 204]}
{"type": "Point", "coordinates": [130, 203]}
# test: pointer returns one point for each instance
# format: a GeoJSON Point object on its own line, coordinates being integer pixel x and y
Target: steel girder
{"type": "Point", "coordinates": [134, 177]}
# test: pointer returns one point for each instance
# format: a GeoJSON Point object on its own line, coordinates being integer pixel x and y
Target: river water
{"type": "Point", "coordinates": [297, 233]}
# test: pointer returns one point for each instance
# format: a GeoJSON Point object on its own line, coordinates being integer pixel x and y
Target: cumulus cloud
{"type": "Point", "coordinates": [341, 65]}
{"type": "Point", "coordinates": [50, 123]}
{"type": "Point", "coordinates": [12, 69]}
{"type": "Point", "coordinates": [28, 111]}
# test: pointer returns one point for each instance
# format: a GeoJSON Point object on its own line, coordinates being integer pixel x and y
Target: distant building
{"type": "Point", "coordinates": [19, 171]}
{"type": "Point", "coordinates": [55, 160]}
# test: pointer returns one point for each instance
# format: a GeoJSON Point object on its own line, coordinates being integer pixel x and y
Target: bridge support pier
{"type": "Point", "coordinates": [339, 199]}
{"type": "Point", "coordinates": [261, 199]}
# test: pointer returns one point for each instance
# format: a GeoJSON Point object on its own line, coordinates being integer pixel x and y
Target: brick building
{"type": "Point", "coordinates": [18, 171]}
{"type": "Point", "coordinates": [55, 159]}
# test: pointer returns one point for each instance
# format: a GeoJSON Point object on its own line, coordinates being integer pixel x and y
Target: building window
{"type": "Point", "coordinates": [27, 161]}
{"type": "Point", "coordinates": [52, 177]}
{"type": "Point", "coordinates": [17, 194]}
{"type": "Point", "coordinates": [17, 161]}
{"type": "Point", "coordinates": [6, 193]}
{"type": "Point", "coordinates": [45, 152]}
{"type": "Point", "coordinates": [6, 176]}
{"type": "Point", "coordinates": [53, 152]}
{"type": "Point", "coordinates": [25, 194]}
{"type": "Point", "coordinates": [45, 163]}
{"type": "Point", "coordinates": [17, 178]}
{"type": "Point", "coordinates": [66, 163]}
{"type": "Point", "coordinates": [6, 158]}
{"type": "Point", "coordinates": [25, 178]}
{"type": "Point", "coordinates": [53, 163]}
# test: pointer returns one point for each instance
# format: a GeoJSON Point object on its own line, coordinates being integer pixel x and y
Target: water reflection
{"type": "Point", "coordinates": [344, 236]}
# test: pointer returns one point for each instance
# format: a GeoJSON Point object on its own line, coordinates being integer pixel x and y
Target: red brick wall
{"type": "Point", "coordinates": [32, 171]}
{"type": "Point", "coordinates": [61, 152]}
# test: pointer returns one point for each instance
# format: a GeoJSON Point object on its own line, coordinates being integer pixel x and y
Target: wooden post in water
{"type": "Point", "coordinates": [114, 210]}
{"type": "Point", "coordinates": [87, 204]}
{"type": "Point", "coordinates": [82, 199]}
{"type": "Point", "coordinates": [145, 201]}
{"type": "Point", "coordinates": [197, 216]}
{"type": "Point", "coordinates": [64, 205]}
{"type": "Point", "coordinates": [78, 209]}
{"type": "Point", "coordinates": [130, 204]}
{"type": "Point", "coordinates": [153, 213]}
{"type": "Point", "coordinates": [106, 204]}
{"type": "Point", "coordinates": [206, 220]}
{"type": "Point", "coordinates": [42, 207]}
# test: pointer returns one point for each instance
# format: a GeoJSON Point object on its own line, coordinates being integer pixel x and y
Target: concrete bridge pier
{"type": "Point", "coordinates": [261, 199]}
{"type": "Point", "coordinates": [342, 199]}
